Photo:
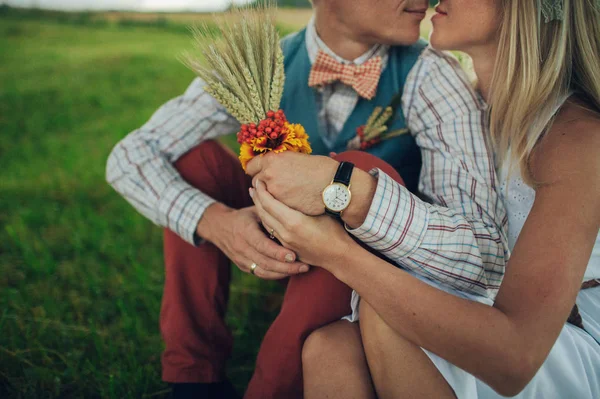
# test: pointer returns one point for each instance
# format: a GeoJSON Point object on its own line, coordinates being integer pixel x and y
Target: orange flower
{"type": "Point", "coordinates": [246, 154]}
{"type": "Point", "coordinates": [260, 144]}
{"type": "Point", "coordinates": [293, 137]}
{"type": "Point", "coordinates": [299, 138]}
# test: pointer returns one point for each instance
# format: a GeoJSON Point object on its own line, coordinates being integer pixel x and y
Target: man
{"type": "Point", "coordinates": [174, 174]}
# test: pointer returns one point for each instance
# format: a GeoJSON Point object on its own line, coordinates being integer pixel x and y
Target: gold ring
{"type": "Point", "coordinates": [272, 234]}
{"type": "Point", "coordinates": [253, 268]}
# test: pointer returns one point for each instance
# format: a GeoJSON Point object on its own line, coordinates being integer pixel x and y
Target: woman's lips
{"type": "Point", "coordinates": [439, 13]}
{"type": "Point", "coordinates": [439, 10]}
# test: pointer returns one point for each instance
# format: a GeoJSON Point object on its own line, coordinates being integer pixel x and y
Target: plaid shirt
{"type": "Point", "coordinates": [459, 241]}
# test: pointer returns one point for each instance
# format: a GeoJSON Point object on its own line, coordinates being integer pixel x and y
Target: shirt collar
{"type": "Point", "coordinates": [314, 44]}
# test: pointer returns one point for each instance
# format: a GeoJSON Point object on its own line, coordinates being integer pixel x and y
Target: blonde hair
{"type": "Point", "coordinates": [538, 65]}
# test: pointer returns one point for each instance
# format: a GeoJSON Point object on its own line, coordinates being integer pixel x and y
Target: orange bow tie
{"type": "Point", "coordinates": [362, 78]}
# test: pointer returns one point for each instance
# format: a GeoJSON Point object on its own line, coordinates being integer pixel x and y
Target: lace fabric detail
{"type": "Point", "coordinates": [518, 198]}
{"type": "Point", "coordinates": [552, 10]}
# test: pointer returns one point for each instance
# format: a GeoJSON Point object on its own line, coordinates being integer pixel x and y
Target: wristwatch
{"type": "Point", "coordinates": [337, 195]}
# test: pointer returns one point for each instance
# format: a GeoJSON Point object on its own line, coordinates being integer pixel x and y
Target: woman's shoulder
{"type": "Point", "coordinates": [571, 148]}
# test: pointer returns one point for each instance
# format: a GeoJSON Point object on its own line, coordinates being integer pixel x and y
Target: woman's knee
{"type": "Point", "coordinates": [371, 321]}
{"type": "Point", "coordinates": [334, 364]}
{"type": "Point", "coordinates": [314, 347]}
{"type": "Point", "coordinates": [337, 340]}
{"type": "Point", "coordinates": [375, 332]}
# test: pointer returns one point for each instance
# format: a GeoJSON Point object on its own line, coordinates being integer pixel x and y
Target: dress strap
{"type": "Point", "coordinates": [575, 318]}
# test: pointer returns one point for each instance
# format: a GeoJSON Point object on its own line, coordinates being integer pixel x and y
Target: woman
{"type": "Point", "coordinates": [538, 67]}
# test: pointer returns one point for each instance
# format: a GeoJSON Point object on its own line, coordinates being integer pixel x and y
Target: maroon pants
{"type": "Point", "coordinates": [198, 343]}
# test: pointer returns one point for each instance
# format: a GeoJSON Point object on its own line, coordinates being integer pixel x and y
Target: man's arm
{"type": "Point", "coordinates": [140, 167]}
{"type": "Point", "coordinates": [460, 238]}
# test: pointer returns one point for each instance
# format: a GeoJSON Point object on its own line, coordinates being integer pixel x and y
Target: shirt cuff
{"type": "Point", "coordinates": [397, 221]}
{"type": "Point", "coordinates": [181, 207]}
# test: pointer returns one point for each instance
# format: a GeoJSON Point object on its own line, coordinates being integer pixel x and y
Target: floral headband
{"type": "Point", "coordinates": [552, 10]}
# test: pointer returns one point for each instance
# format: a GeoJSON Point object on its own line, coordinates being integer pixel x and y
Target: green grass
{"type": "Point", "coordinates": [81, 272]}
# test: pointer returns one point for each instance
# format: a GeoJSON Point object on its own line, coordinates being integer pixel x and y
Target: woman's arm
{"type": "Point", "coordinates": [502, 345]}
{"type": "Point", "coordinates": [457, 237]}
{"type": "Point", "coordinates": [505, 345]}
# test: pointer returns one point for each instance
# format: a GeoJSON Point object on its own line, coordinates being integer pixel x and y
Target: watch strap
{"type": "Point", "coordinates": [337, 215]}
{"type": "Point", "coordinates": [344, 173]}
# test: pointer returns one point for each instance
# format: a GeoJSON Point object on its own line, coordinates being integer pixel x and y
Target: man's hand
{"type": "Point", "coordinates": [238, 234]}
{"type": "Point", "coordinates": [297, 180]}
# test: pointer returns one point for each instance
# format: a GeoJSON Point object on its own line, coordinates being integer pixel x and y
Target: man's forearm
{"type": "Point", "coordinates": [141, 167]}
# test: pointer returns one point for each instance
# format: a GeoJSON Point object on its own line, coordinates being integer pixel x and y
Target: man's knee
{"type": "Point", "coordinates": [214, 169]}
{"type": "Point", "coordinates": [202, 158]}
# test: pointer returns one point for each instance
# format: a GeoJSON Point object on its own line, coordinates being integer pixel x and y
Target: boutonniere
{"type": "Point", "coordinates": [377, 128]}
{"type": "Point", "coordinates": [242, 66]}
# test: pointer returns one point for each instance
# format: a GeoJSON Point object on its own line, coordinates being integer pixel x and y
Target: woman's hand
{"type": "Point", "coordinates": [317, 240]}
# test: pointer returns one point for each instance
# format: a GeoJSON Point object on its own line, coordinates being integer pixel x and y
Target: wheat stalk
{"type": "Point", "coordinates": [395, 133]}
{"type": "Point", "coordinates": [243, 67]}
{"type": "Point", "coordinates": [267, 55]}
{"type": "Point", "coordinates": [374, 132]}
{"type": "Point", "coordinates": [244, 54]}
{"type": "Point", "coordinates": [383, 118]}
{"type": "Point", "coordinates": [278, 80]}
{"type": "Point", "coordinates": [223, 95]}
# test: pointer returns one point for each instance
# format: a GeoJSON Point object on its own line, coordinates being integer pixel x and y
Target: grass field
{"type": "Point", "coordinates": [81, 272]}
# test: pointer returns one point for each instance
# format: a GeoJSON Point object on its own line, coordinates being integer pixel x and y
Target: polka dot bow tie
{"type": "Point", "coordinates": [362, 78]}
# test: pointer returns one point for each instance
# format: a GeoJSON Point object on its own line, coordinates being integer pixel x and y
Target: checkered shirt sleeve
{"type": "Point", "coordinates": [140, 167]}
{"type": "Point", "coordinates": [459, 238]}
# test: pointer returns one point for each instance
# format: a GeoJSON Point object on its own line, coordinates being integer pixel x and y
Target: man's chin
{"type": "Point", "coordinates": [403, 39]}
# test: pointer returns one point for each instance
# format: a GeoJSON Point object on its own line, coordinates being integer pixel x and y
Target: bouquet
{"type": "Point", "coordinates": [243, 70]}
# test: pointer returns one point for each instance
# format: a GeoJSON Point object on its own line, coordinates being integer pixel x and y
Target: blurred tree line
{"type": "Point", "coordinates": [294, 3]}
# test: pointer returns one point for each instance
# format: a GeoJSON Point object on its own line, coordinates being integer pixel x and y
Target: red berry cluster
{"type": "Point", "coordinates": [366, 144]}
{"type": "Point", "coordinates": [270, 127]}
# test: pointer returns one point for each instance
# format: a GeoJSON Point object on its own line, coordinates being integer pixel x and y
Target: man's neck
{"type": "Point", "coordinates": [338, 37]}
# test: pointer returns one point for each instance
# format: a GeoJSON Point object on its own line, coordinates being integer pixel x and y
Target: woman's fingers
{"type": "Point", "coordinates": [265, 216]}
{"type": "Point", "coordinates": [270, 248]}
{"type": "Point", "coordinates": [280, 212]}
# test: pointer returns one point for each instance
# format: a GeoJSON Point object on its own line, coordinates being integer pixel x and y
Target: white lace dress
{"type": "Point", "coordinates": [572, 370]}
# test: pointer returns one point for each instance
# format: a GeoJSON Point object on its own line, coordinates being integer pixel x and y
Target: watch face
{"type": "Point", "coordinates": [336, 197]}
